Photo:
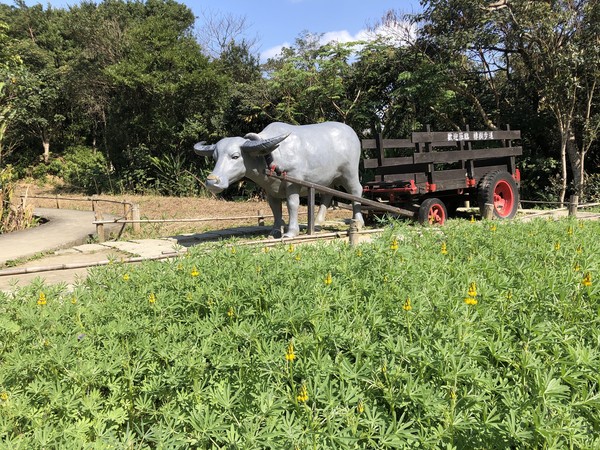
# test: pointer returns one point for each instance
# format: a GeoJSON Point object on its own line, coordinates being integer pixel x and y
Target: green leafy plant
{"type": "Point", "coordinates": [476, 335]}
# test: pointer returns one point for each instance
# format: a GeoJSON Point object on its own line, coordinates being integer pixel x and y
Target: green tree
{"type": "Point", "coordinates": [166, 94]}
{"type": "Point", "coordinates": [39, 103]}
{"type": "Point", "coordinates": [309, 81]}
{"type": "Point", "coordinates": [499, 49]}
{"type": "Point", "coordinates": [10, 62]}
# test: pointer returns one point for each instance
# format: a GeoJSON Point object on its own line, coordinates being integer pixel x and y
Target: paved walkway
{"type": "Point", "coordinates": [62, 242]}
{"type": "Point", "coordinates": [64, 228]}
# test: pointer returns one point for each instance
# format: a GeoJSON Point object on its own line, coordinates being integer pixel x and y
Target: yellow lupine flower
{"type": "Point", "coordinates": [394, 244]}
{"type": "Point", "coordinates": [557, 246]}
{"type": "Point", "coordinates": [471, 301]}
{"type": "Point", "coordinates": [579, 249]}
{"type": "Point", "coordinates": [570, 231]}
{"type": "Point", "coordinates": [297, 257]}
{"type": "Point", "coordinates": [407, 306]}
{"type": "Point", "coordinates": [472, 290]}
{"type": "Point", "coordinates": [587, 279]}
{"type": "Point", "coordinates": [291, 248]}
{"type": "Point", "coordinates": [152, 298]}
{"type": "Point", "coordinates": [493, 228]}
{"type": "Point", "coordinates": [303, 394]}
{"type": "Point", "coordinates": [126, 277]}
{"type": "Point", "coordinates": [41, 299]}
{"type": "Point", "coordinates": [195, 272]}
{"type": "Point", "coordinates": [231, 312]}
{"type": "Point", "coordinates": [4, 396]}
{"type": "Point", "coordinates": [444, 249]}
{"type": "Point", "coordinates": [360, 407]}
{"type": "Point", "coordinates": [472, 219]}
{"type": "Point", "coordinates": [328, 279]}
{"type": "Point", "coordinates": [289, 354]}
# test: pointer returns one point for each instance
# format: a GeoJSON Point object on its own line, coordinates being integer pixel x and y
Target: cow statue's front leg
{"type": "Point", "coordinates": [278, 223]}
{"type": "Point", "coordinates": [293, 202]}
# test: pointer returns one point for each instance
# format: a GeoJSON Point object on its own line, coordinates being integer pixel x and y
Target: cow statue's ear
{"type": "Point", "coordinates": [257, 146]}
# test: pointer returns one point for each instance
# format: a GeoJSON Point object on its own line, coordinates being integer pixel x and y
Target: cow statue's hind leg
{"type": "Point", "coordinates": [354, 187]}
{"type": "Point", "coordinates": [325, 203]}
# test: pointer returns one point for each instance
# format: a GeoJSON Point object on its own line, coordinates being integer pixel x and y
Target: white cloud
{"type": "Point", "coordinates": [273, 51]}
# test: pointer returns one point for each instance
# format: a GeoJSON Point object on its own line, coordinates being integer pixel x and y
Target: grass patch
{"type": "Point", "coordinates": [476, 335]}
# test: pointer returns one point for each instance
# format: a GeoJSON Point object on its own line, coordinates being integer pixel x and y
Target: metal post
{"type": "Point", "coordinates": [311, 211]}
{"type": "Point", "coordinates": [573, 203]}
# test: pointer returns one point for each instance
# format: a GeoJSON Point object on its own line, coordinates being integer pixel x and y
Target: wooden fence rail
{"type": "Point", "coordinates": [260, 217]}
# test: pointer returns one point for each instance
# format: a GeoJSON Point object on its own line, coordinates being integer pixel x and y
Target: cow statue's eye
{"type": "Point", "coordinates": [235, 156]}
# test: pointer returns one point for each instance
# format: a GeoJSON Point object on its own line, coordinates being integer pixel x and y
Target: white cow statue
{"type": "Point", "coordinates": [325, 153]}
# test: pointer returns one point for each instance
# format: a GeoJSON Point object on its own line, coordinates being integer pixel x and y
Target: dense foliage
{"type": "Point", "coordinates": [129, 86]}
{"type": "Point", "coordinates": [477, 335]}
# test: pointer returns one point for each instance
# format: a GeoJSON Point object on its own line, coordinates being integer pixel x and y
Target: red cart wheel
{"type": "Point", "coordinates": [500, 189]}
{"type": "Point", "coordinates": [433, 212]}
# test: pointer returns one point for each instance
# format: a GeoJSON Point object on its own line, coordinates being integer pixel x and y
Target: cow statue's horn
{"type": "Point", "coordinates": [255, 145]}
{"type": "Point", "coordinates": [204, 150]}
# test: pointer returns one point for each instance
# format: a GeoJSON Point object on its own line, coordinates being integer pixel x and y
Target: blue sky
{"type": "Point", "coordinates": [277, 23]}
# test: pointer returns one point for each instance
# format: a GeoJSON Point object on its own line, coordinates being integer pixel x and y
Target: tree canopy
{"type": "Point", "coordinates": [121, 90]}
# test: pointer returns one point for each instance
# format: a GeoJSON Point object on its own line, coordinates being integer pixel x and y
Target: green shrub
{"type": "Point", "coordinates": [174, 176]}
{"type": "Point", "coordinates": [591, 189]}
{"type": "Point", "coordinates": [84, 169]}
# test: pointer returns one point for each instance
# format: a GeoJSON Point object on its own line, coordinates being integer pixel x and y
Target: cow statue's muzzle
{"type": "Point", "coordinates": [216, 184]}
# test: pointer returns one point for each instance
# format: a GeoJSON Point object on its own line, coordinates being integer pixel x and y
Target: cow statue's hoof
{"type": "Point", "coordinates": [275, 234]}
{"type": "Point", "coordinates": [292, 232]}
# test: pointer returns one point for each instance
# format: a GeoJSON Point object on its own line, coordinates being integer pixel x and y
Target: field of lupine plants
{"type": "Point", "coordinates": [476, 335]}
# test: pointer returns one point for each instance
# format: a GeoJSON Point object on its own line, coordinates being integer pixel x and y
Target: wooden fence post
{"type": "Point", "coordinates": [127, 210]}
{"type": "Point", "coordinates": [99, 226]}
{"type": "Point", "coordinates": [353, 232]}
{"type": "Point", "coordinates": [135, 215]}
{"type": "Point", "coordinates": [261, 218]}
{"type": "Point", "coordinates": [573, 203]}
{"type": "Point", "coordinates": [488, 211]}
